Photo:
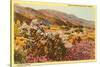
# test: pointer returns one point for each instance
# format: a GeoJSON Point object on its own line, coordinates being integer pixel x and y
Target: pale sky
{"type": "Point", "coordinates": [87, 13]}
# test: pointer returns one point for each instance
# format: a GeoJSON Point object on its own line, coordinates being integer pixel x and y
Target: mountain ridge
{"type": "Point", "coordinates": [53, 16]}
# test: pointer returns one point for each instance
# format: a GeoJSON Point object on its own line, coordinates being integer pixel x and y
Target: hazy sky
{"type": "Point", "coordinates": [81, 12]}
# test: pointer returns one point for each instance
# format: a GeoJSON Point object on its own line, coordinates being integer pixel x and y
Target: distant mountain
{"type": "Point", "coordinates": [53, 17]}
{"type": "Point", "coordinates": [67, 18]}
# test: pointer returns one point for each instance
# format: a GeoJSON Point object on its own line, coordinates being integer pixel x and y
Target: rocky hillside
{"type": "Point", "coordinates": [53, 17]}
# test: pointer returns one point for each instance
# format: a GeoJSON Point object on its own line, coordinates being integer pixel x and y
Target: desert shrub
{"type": "Point", "coordinates": [19, 56]}
{"type": "Point", "coordinates": [56, 49]}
